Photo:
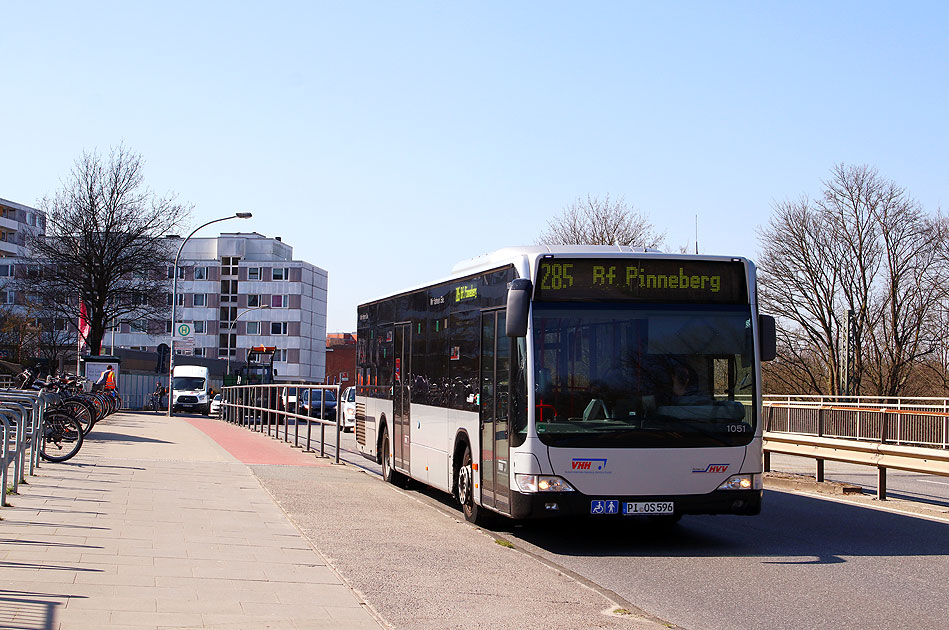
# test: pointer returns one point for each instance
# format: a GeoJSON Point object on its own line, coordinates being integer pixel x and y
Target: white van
{"type": "Point", "coordinates": [191, 388]}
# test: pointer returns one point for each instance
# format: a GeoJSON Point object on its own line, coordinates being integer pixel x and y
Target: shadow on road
{"type": "Point", "coordinates": [792, 529]}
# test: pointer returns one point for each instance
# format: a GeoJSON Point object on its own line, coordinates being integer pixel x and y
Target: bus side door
{"type": "Point", "coordinates": [495, 404]}
{"type": "Point", "coordinates": [402, 424]}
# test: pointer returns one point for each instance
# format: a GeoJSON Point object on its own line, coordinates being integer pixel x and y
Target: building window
{"type": "Point", "coordinates": [227, 345]}
{"type": "Point", "coordinates": [200, 299]}
{"type": "Point", "coordinates": [253, 300]}
{"type": "Point", "coordinates": [167, 326]}
{"type": "Point", "coordinates": [180, 299]}
{"type": "Point", "coordinates": [253, 273]}
{"type": "Point", "coordinates": [6, 271]}
{"type": "Point", "coordinates": [278, 328]}
{"type": "Point", "coordinates": [200, 327]}
{"type": "Point", "coordinates": [181, 273]}
{"type": "Point", "coordinates": [253, 328]}
{"type": "Point", "coordinates": [280, 355]}
{"type": "Point", "coordinates": [229, 265]}
{"type": "Point", "coordinates": [281, 273]}
{"type": "Point", "coordinates": [200, 273]}
{"type": "Point", "coordinates": [199, 352]}
{"type": "Point", "coordinates": [279, 301]}
{"type": "Point", "coordinates": [9, 297]}
{"type": "Point", "coordinates": [138, 326]}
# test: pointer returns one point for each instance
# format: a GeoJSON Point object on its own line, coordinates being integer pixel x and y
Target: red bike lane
{"type": "Point", "coordinates": [251, 447]}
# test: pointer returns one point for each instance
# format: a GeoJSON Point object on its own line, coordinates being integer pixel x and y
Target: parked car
{"type": "Point", "coordinates": [349, 408]}
{"type": "Point", "coordinates": [323, 399]}
{"type": "Point", "coordinates": [216, 403]}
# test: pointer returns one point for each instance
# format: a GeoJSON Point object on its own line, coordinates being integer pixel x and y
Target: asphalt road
{"type": "Point", "coordinates": [805, 562]}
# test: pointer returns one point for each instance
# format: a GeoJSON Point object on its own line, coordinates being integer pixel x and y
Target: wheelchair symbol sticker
{"type": "Point", "coordinates": [598, 507]}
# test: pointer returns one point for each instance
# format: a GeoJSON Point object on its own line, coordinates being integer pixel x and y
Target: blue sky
{"type": "Point", "coordinates": [385, 141]}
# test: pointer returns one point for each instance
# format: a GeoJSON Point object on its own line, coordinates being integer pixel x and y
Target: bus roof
{"type": "Point", "coordinates": [521, 257]}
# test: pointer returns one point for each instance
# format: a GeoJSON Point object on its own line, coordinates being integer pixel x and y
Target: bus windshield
{"type": "Point", "coordinates": [613, 376]}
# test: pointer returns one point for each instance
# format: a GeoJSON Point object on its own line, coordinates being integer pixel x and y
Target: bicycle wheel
{"type": "Point", "coordinates": [62, 436]}
{"type": "Point", "coordinates": [82, 411]}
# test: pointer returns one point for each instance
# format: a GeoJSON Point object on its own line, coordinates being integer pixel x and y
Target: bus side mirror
{"type": "Point", "coordinates": [518, 306]}
{"type": "Point", "coordinates": [767, 338]}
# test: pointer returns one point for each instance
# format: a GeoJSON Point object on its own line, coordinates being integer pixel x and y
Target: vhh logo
{"type": "Point", "coordinates": [588, 464]}
{"type": "Point", "coordinates": [712, 468]}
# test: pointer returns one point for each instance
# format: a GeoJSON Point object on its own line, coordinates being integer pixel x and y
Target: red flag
{"type": "Point", "coordinates": [84, 325]}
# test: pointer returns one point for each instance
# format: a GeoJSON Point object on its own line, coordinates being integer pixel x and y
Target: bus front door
{"type": "Point", "coordinates": [495, 405]}
{"type": "Point", "coordinates": [402, 429]}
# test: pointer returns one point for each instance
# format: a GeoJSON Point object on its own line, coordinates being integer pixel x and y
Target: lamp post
{"type": "Point", "coordinates": [174, 304]}
{"type": "Point", "coordinates": [234, 325]}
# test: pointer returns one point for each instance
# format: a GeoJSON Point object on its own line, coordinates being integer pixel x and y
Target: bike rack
{"type": "Point", "coordinates": [23, 409]}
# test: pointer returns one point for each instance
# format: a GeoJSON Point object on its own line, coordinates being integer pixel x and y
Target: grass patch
{"type": "Point", "coordinates": [504, 543]}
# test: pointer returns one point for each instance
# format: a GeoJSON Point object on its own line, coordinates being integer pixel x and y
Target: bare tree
{"type": "Point", "coordinates": [19, 336]}
{"type": "Point", "coordinates": [864, 246]}
{"type": "Point", "coordinates": [104, 245]}
{"type": "Point", "coordinates": [595, 221]}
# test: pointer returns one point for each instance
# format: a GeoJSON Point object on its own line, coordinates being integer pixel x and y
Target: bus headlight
{"type": "Point", "coordinates": [542, 483]}
{"type": "Point", "coordinates": [742, 482]}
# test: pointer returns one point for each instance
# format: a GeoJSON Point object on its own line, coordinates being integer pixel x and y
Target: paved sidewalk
{"type": "Point", "coordinates": [155, 524]}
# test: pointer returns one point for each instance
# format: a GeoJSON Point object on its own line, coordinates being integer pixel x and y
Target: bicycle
{"type": "Point", "coordinates": [154, 402]}
{"type": "Point", "coordinates": [62, 436]}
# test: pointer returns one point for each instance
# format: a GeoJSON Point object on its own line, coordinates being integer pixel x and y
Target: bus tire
{"type": "Point", "coordinates": [389, 474]}
{"type": "Point", "coordinates": [474, 513]}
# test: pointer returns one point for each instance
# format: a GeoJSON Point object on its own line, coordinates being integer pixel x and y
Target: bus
{"type": "Point", "coordinates": [571, 380]}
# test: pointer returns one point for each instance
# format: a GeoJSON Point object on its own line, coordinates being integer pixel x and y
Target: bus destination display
{"type": "Point", "coordinates": [654, 280]}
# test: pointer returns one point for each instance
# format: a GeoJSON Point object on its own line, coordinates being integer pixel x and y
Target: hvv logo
{"type": "Point", "coordinates": [712, 468]}
{"type": "Point", "coordinates": [588, 465]}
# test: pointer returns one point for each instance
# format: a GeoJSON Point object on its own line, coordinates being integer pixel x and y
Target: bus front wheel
{"type": "Point", "coordinates": [389, 474]}
{"type": "Point", "coordinates": [474, 513]}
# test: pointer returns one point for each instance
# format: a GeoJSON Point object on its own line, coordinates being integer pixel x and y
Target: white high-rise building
{"type": "Point", "coordinates": [241, 290]}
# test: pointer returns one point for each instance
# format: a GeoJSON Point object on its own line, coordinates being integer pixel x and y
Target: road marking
{"type": "Point", "coordinates": [941, 483]}
{"type": "Point", "coordinates": [892, 510]}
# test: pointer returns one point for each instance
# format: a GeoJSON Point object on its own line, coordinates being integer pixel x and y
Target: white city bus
{"type": "Point", "coordinates": [544, 381]}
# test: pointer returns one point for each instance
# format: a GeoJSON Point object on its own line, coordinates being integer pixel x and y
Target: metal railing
{"type": "Point", "coordinates": [265, 408]}
{"type": "Point", "coordinates": [21, 423]}
{"type": "Point", "coordinates": [910, 434]}
{"type": "Point", "coordinates": [905, 421]}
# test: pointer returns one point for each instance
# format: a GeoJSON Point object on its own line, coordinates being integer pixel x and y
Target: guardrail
{"type": "Point", "coordinates": [265, 408]}
{"type": "Point", "coordinates": [910, 434]}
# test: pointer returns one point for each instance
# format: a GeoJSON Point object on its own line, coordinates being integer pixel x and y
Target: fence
{"type": "Point", "coordinates": [265, 408]}
{"type": "Point", "coordinates": [905, 421]}
{"type": "Point", "coordinates": [135, 388]}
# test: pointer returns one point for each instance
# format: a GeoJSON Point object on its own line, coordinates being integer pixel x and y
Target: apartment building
{"type": "Point", "coordinates": [15, 221]}
{"type": "Point", "coordinates": [240, 290]}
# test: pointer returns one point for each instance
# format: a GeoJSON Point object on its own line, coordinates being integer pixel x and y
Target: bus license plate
{"type": "Point", "coordinates": [651, 507]}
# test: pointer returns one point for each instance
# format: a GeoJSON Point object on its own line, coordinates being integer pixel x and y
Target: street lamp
{"type": "Point", "coordinates": [174, 304]}
{"type": "Point", "coordinates": [234, 325]}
